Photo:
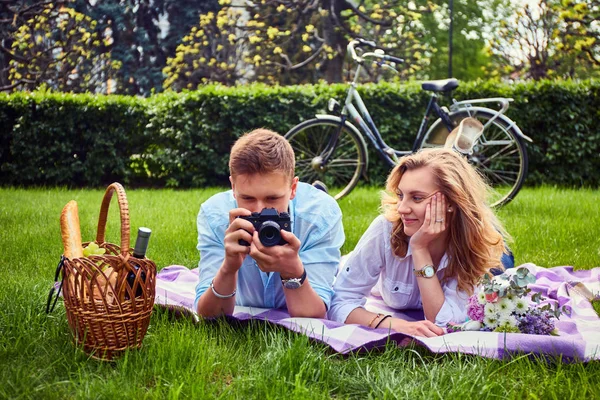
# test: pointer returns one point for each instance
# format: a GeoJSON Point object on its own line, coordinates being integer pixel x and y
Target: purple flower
{"type": "Point", "coordinates": [536, 323]}
{"type": "Point", "coordinates": [475, 311]}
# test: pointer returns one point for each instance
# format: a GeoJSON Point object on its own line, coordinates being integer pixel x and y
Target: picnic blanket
{"type": "Point", "coordinates": [578, 340]}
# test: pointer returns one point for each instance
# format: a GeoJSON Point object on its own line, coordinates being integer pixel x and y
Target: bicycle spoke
{"type": "Point", "coordinates": [345, 163]}
{"type": "Point", "coordinates": [304, 174]}
{"type": "Point", "coordinates": [501, 171]}
{"type": "Point", "coordinates": [303, 163]}
{"type": "Point", "coordinates": [345, 154]}
{"type": "Point", "coordinates": [298, 148]}
{"type": "Point", "coordinates": [499, 178]}
{"type": "Point", "coordinates": [502, 153]}
{"type": "Point", "coordinates": [498, 154]}
{"type": "Point", "coordinates": [346, 141]}
{"type": "Point", "coordinates": [339, 173]}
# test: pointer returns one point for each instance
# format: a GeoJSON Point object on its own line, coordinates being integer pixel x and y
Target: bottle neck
{"type": "Point", "coordinates": [141, 243]}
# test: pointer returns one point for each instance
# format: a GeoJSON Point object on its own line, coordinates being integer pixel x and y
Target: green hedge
{"type": "Point", "coordinates": [183, 139]}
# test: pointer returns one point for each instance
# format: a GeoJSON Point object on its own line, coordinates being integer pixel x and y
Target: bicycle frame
{"type": "Point", "coordinates": [361, 116]}
{"type": "Point", "coordinates": [355, 108]}
{"type": "Point", "coordinates": [499, 153]}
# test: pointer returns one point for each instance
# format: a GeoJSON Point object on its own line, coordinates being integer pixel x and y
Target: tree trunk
{"type": "Point", "coordinates": [334, 38]}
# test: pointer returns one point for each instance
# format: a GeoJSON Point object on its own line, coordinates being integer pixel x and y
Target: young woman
{"type": "Point", "coordinates": [436, 238]}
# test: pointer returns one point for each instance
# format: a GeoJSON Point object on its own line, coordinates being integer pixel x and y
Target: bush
{"type": "Point", "coordinates": [183, 139]}
{"type": "Point", "coordinates": [73, 140]}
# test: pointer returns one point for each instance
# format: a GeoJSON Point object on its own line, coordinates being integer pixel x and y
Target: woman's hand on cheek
{"type": "Point", "coordinates": [434, 223]}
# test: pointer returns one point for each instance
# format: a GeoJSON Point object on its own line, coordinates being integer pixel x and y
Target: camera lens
{"type": "Point", "coordinates": [269, 233]}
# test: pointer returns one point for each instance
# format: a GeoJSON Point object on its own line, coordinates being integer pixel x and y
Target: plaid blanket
{"type": "Point", "coordinates": [579, 332]}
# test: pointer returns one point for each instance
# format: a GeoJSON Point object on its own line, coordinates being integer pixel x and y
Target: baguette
{"type": "Point", "coordinates": [70, 231]}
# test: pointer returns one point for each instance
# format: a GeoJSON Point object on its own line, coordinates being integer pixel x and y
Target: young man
{"type": "Point", "coordinates": [297, 275]}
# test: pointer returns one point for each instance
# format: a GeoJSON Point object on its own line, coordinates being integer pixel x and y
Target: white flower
{"type": "Point", "coordinates": [471, 326]}
{"type": "Point", "coordinates": [508, 321]}
{"type": "Point", "coordinates": [503, 313]}
{"type": "Point", "coordinates": [521, 306]}
{"type": "Point", "coordinates": [481, 297]}
{"type": "Point", "coordinates": [501, 282]}
{"type": "Point", "coordinates": [505, 306]}
{"type": "Point", "coordinates": [491, 321]}
{"type": "Point", "coordinates": [490, 309]}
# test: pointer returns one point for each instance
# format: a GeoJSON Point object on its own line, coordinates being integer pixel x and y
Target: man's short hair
{"type": "Point", "coordinates": [261, 152]}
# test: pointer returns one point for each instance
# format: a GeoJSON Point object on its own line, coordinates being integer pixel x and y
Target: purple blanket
{"type": "Point", "coordinates": [579, 332]}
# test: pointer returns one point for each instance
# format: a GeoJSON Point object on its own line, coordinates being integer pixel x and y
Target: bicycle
{"type": "Point", "coordinates": [331, 149]}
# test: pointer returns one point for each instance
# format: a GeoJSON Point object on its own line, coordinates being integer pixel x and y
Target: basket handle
{"type": "Point", "coordinates": [124, 209]}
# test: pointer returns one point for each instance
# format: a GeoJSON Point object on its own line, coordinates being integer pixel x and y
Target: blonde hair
{"type": "Point", "coordinates": [261, 151]}
{"type": "Point", "coordinates": [475, 234]}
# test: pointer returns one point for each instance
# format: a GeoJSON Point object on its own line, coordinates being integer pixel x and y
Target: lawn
{"type": "Point", "coordinates": [549, 226]}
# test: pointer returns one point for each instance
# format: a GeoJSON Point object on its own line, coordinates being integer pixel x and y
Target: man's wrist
{"type": "Point", "coordinates": [294, 283]}
{"type": "Point", "coordinates": [228, 270]}
{"type": "Point", "coordinates": [295, 272]}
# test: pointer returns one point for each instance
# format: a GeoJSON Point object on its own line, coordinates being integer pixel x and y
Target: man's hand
{"type": "Point", "coordinates": [416, 328]}
{"type": "Point", "coordinates": [239, 229]}
{"type": "Point", "coordinates": [283, 259]}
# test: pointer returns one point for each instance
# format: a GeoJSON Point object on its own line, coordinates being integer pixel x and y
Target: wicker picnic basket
{"type": "Point", "coordinates": [109, 298]}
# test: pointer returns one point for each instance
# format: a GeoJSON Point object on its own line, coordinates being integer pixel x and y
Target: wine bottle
{"type": "Point", "coordinates": [139, 251]}
{"type": "Point", "coordinates": [141, 243]}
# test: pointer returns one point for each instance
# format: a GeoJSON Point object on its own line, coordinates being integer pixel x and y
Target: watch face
{"type": "Point", "coordinates": [292, 284]}
{"type": "Point", "coordinates": [428, 271]}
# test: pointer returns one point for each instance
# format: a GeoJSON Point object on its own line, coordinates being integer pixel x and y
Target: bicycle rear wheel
{"type": "Point", "coordinates": [499, 154]}
{"type": "Point", "coordinates": [341, 172]}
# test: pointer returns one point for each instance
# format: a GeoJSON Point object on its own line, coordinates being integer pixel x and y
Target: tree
{"type": "Point", "coordinates": [294, 42]}
{"type": "Point", "coordinates": [582, 35]}
{"type": "Point", "coordinates": [548, 40]}
{"type": "Point", "coordinates": [470, 60]}
{"type": "Point", "coordinates": [525, 41]}
{"type": "Point", "coordinates": [52, 44]}
{"type": "Point", "coordinates": [211, 52]}
{"type": "Point", "coordinates": [143, 34]}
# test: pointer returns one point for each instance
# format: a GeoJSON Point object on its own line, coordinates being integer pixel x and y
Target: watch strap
{"type": "Point", "coordinates": [300, 280]}
{"type": "Point", "coordinates": [421, 272]}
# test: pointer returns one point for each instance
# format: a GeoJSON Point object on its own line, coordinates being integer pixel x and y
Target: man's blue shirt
{"type": "Point", "coordinates": [316, 221]}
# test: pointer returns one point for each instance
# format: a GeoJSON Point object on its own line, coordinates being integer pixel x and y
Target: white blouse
{"type": "Point", "coordinates": [373, 267]}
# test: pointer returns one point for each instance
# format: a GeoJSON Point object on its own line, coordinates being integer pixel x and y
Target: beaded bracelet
{"type": "Point", "coordinates": [382, 319]}
{"type": "Point", "coordinates": [219, 295]}
{"type": "Point", "coordinates": [373, 320]}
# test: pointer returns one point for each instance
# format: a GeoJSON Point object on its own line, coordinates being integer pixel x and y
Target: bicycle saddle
{"type": "Point", "coordinates": [441, 85]}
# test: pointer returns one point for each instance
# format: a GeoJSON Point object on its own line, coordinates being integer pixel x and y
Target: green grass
{"type": "Point", "coordinates": [179, 359]}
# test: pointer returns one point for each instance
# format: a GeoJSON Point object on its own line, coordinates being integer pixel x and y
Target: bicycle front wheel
{"type": "Point", "coordinates": [312, 140]}
{"type": "Point", "coordinates": [499, 154]}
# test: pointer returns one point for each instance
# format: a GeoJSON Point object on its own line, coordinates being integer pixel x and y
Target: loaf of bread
{"type": "Point", "coordinates": [106, 283]}
{"type": "Point", "coordinates": [71, 233]}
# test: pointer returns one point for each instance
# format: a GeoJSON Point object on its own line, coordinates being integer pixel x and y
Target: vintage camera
{"type": "Point", "coordinates": [269, 223]}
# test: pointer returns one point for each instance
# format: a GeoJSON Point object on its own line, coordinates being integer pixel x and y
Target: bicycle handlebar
{"type": "Point", "coordinates": [378, 53]}
{"type": "Point", "coordinates": [369, 43]}
{"type": "Point", "coordinates": [397, 60]}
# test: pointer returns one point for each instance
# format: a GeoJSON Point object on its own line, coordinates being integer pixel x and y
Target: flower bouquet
{"type": "Point", "coordinates": [503, 304]}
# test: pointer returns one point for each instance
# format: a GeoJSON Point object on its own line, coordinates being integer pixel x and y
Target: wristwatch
{"type": "Point", "coordinates": [426, 272]}
{"type": "Point", "coordinates": [294, 283]}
